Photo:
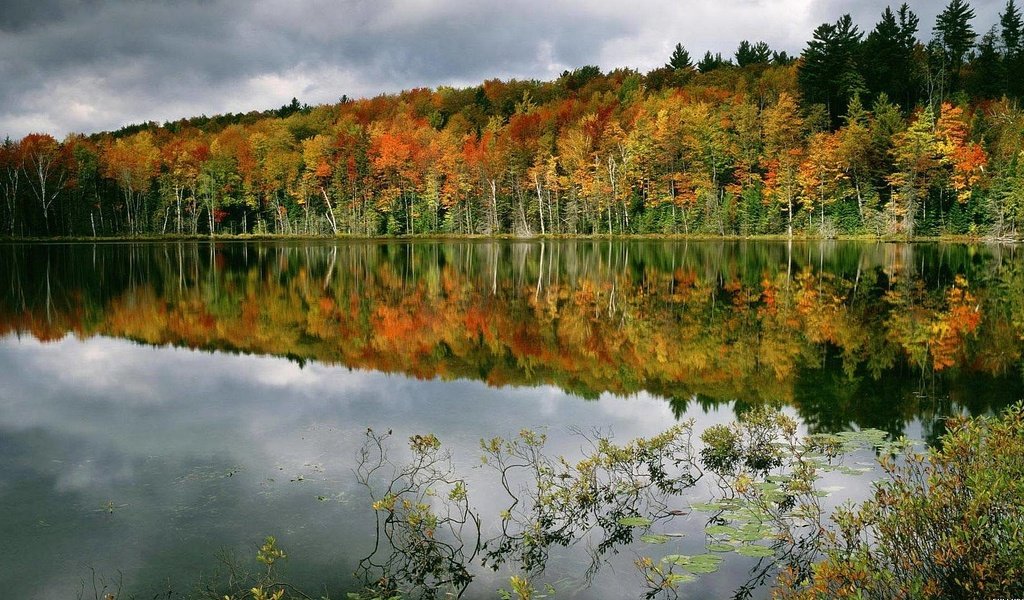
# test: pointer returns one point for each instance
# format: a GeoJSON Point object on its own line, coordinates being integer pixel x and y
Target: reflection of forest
{"type": "Point", "coordinates": [846, 332]}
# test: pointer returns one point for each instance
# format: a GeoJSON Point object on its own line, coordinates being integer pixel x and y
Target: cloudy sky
{"type": "Point", "coordinates": [88, 65]}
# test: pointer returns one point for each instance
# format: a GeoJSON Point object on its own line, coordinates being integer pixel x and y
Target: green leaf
{"type": "Point", "coordinates": [635, 522]}
{"type": "Point", "coordinates": [701, 568]}
{"type": "Point", "coordinates": [654, 538]}
{"type": "Point", "coordinates": [752, 536]}
{"type": "Point", "coordinates": [707, 507]}
{"type": "Point", "coordinates": [755, 551]}
{"type": "Point", "coordinates": [721, 530]}
{"type": "Point", "coordinates": [703, 563]}
{"type": "Point", "coordinates": [680, 578]}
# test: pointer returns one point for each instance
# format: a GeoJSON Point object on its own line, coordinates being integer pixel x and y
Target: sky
{"type": "Point", "coordinates": [93, 65]}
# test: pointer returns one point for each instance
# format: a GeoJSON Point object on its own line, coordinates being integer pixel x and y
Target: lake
{"type": "Point", "coordinates": [165, 406]}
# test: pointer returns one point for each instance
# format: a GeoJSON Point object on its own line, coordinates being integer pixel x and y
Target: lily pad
{"type": "Point", "coordinates": [720, 530]}
{"type": "Point", "coordinates": [654, 538]}
{"type": "Point", "coordinates": [755, 551]}
{"type": "Point", "coordinates": [703, 563]}
{"type": "Point", "coordinates": [746, 536]}
{"type": "Point", "coordinates": [854, 470]}
{"type": "Point", "coordinates": [707, 506]}
{"type": "Point", "coordinates": [635, 522]}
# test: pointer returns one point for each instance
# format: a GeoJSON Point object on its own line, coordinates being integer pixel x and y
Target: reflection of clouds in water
{"type": "Point", "coordinates": [102, 473]}
{"type": "Point", "coordinates": [167, 453]}
{"type": "Point", "coordinates": [268, 412]}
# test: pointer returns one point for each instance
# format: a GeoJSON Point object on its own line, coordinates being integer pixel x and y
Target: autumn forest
{"type": "Point", "coordinates": [898, 129]}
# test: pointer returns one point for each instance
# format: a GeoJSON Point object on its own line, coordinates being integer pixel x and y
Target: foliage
{"type": "Point", "coordinates": [940, 523]}
{"type": "Point", "coordinates": [241, 583]}
{"type": "Point", "coordinates": [945, 524]}
{"type": "Point", "coordinates": [612, 489]}
{"type": "Point", "coordinates": [680, 59]}
{"type": "Point", "coordinates": [423, 513]}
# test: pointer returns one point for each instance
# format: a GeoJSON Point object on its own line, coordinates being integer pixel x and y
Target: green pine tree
{"type": "Point", "coordinates": [680, 59]}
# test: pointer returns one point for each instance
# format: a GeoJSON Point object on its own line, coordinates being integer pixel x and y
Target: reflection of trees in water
{"type": "Point", "coordinates": [765, 504]}
{"type": "Point", "coordinates": [873, 334]}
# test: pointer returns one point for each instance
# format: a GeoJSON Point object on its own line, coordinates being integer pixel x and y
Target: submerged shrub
{"type": "Point", "coordinates": [944, 524]}
{"type": "Point", "coordinates": [722, 449]}
{"type": "Point", "coordinates": [749, 443]}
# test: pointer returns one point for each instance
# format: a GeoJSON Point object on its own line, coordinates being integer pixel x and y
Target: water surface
{"type": "Point", "coordinates": [162, 404]}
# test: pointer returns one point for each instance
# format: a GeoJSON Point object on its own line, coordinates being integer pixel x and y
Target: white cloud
{"type": "Point", "coordinates": [89, 66]}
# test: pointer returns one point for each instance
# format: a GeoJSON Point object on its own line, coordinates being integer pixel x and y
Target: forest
{"type": "Point", "coordinates": [883, 132]}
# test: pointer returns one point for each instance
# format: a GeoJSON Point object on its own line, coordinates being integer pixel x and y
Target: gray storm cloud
{"type": "Point", "coordinates": [89, 65]}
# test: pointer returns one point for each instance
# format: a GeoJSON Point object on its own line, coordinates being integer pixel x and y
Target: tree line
{"type": "Point", "coordinates": [876, 134]}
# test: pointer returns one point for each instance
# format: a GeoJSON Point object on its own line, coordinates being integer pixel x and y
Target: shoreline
{"type": "Point", "coordinates": [237, 237]}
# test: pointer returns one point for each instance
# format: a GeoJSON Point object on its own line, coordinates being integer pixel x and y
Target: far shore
{"type": "Point", "coordinates": [238, 237]}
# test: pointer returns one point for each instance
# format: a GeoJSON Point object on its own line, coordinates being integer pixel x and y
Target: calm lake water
{"type": "Point", "coordinates": [165, 405]}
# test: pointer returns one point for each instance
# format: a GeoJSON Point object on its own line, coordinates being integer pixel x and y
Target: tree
{"type": "Point", "coordinates": [888, 56]}
{"type": "Point", "coordinates": [485, 156]}
{"type": "Point", "coordinates": [855, 151]}
{"type": "Point", "coordinates": [1006, 156]}
{"type": "Point", "coordinates": [987, 78]}
{"type": "Point", "coordinates": [87, 197]}
{"type": "Point", "coordinates": [577, 78]}
{"type": "Point", "coordinates": [1009, 201]}
{"type": "Point", "coordinates": [915, 158]}
{"type": "Point", "coordinates": [821, 174]}
{"type": "Point", "coordinates": [133, 163]}
{"type": "Point", "coordinates": [220, 180]}
{"type": "Point", "coordinates": [783, 141]}
{"type": "Point", "coordinates": [1012, 35]}
{"type": "Point", "coordinates": [317, 156]}
{"type": "Point", "coordinates": [886, 124]}
{"type": "Point", "coordinates": [710, 62]}
{"type": "Point", "coordinates": [451, 181]}
{"type": "Point", "coordinates": [753, 54]}
{"type": "Point", "coordinates": [10, 177]}
{"type": "Point", "coordinates": [277, 168]}
{"type": "Point", "coordinates": [705, 147]}
{"type": "Point", "coordinates": [955, 37]}
{"type": "Point", "coordinates": [782, 58]}
{"type": "Point", "coordinates": [830, 74]}
{"type": "Point", "coordinates": [182, 162]}
{"type": "Point", "coordinates": [680, 59]}
{"type": "Point", "coordinates": [669, 184]}
{"type": "Point", "coordinates": [965, 159]}
{"type": "Point", "coordinates": [44, 162]}
{"type": "Point", "coordinates": [1012, 28]}
{"type": "Point", "coordinates": [665, 77]}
